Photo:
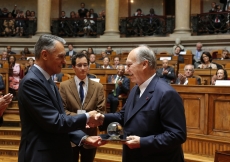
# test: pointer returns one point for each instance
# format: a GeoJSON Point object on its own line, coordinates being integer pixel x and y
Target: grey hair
{"type": "Point", "coordinates": [189, 65]}
{"type": "Point", "coordinates": [46, 42]}
{"type": "Point", "coordinates": [145, 53]}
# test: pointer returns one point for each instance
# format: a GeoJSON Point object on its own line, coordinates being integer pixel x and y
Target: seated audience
{"type": "Point", "coordinates": [224, 55]}
{"type": "Point", "coordinates": [89, 24]}
{"type": "Point", "coordinates": [14, 75]}
{"type": "Point", "coordinates": [197, 55]}
{"type": "Point", "coordinates": [9, 52]}
{"type": "Point", "coordinates": [71, 52]}
{"type": "Point", "coordinates": [28, 65]}
{"type": "Point", "coordinates": [25, 51]}
{"type": "Point", "coordinates": [177, 53]}
{"type": "Point", "coordinates": [109, 50]}
{"type": "Point", "coordinates": [122, 84]}
{"type": "Point", "coordinates": [82, 11]}
{"type": "Point", "coordinates": [166, 72]}
{"type": "Point", "coordinates": [90, 50]}
{"type": "Point", "coordinates": [116, 62]}
{"type": "Point", "coordinates": [206, 61]}
{"type": "Point", "coordinates": [92, 60]}
{"type": "Point", "coordinates": [4, 56]}
{"type": "Point", "coordinates": [221, 74]}
{"type": "Point", "coordinates": [188, 73]}
{"type": "Point", "coordinates": [92, 14]}
{"type": "Point", "coordinates": [20, 24]}
{"type": "Point", "coordinates": [103, 55]}
{"type": "Point", "coordinates": [9, 26]}
{"type": "Point", "coordinates": [106, 63]}
{"type": "Point", "coordinates": [23, 57]}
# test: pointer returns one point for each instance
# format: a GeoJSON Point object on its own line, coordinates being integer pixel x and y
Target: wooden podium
{"type": "Point", "coordinates": [222, 156]}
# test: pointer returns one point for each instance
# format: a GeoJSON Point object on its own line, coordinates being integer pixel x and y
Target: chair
{"type": "Point", "coordinates": [203, 81]}
{"type": "Point", "coordinates": [181, 66]}
{"type": "Point", "coordinates": [103, 79]}
{"type": "Point", "coordinates": [188, 52]}
{"type": "Point", "coordinates": [67, 58]}
{"type": "Point", "coordinates": [164, 53]}
{"type": "Point", "coordinates": [65, 77]}
{"type": "Point", "coordinates": [92, 66]}
{"type": "Point", "coordinates": [222, 156]}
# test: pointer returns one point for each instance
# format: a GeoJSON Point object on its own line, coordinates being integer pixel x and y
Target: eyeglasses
{"type": "Point", "coordinates": [188, 69]}
{"type": "Point", "coordinates": [80, 65]}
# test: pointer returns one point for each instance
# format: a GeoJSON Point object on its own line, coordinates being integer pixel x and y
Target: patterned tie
{"type": "Point", "coordinates": [81, 91]}
{"type": "Point", "coordinates": [116, 85]}
{"type": "Point", "coordinates": [52, 85]}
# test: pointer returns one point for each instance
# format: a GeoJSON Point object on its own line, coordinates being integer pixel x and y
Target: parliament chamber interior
{"type": "Point", "coordinates": [112, 29]}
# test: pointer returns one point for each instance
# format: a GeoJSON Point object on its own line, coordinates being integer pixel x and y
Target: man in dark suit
{"type": "Point", "coordinates": [153, 117]}
{"type": "Point", "coordinates": [4, 102]}
{"type": "Point", "coordinates": [9, 52]}
{"type": "Point", "coordinates": [82, 11]}
{"type": "Point", "coordinates": [188, 73]}
{"type": "Point", "coordinates": [71, 52]}
{"type": "Point", "coordinates": [122, 84]}
{"type": "Point", "coordinates": [93, 99]}
{"type": "Point", "coordinates": [46, 129]}
{"type": "Point", "coordinates": [166, 72]}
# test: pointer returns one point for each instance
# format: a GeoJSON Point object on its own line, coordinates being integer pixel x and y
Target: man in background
{"type": "Point", "coordinates": [122, 84]}
{"type": "Point", "coordinates": [197, 55]}
{"type": "Point", "coordinates": [79, 95]}
{"type": "Point", "coordinates": [166, 72]}
{"type": "Point", "coordinates": [9, 52]}
{"type": "Point", "coordinates": [71, 52]}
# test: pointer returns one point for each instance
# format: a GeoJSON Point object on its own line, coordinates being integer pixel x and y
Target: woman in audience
{"type": "Point", "coordinates": [206, 61]}
{"type": "Point", "coordinates": [14, 75]}
{"type": "Point", "coordinates": [29, 65]}
{"type": "Point", "coordinates": [221, 74]}
{"type": "Point", "coordinates": [106, 63]}
{"type": "Point", "coordinates": [90, 50]}
{"type": "Point", "coordinates": [25, 51]}
{"type": "Point", "coordinates": [28, 14]}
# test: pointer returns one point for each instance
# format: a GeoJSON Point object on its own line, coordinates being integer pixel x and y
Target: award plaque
{"type": "Point", "coordinates": [115, 133]}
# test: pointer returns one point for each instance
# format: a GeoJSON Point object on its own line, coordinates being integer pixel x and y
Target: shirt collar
{"type": "Point", "coordinates": [46, 75]}
{"type": "Point", "coordinates": [144, 85]}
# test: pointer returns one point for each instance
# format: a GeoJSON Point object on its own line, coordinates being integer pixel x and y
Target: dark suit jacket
{"type": "Point", "coordinates": [10, 53]}
{"type": "Point", "coordinates": [1, 120]}
{"type": "Point", "coordinates": [124, 88]}
{"type": "Point", "coordinates": [198, 81]}
{"type": "Point", "coordinates": [2, 85]}
{"type": "Point", "coordinates": [71, 101]}
{"type": "Point", "coordinates": [158, 118]}
{"type": "Point", "coordinates": [67, 53]}
{"type": "Point", "coordinates": [45, 126]}
{"type": "Point", "coordinates": [169, 77]}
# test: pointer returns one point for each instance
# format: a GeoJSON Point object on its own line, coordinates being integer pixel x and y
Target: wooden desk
{"type": "Point", "coordinates": [221, 62]}
{"type": "Point", "coordinates": [207, 111]}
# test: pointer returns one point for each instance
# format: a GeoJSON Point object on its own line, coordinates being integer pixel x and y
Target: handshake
{"type": "Point", "coordinates": [95, 119]}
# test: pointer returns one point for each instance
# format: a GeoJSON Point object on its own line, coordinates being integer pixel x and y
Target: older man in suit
{"type": "Point", "coordinates": [46, 129]}
{"type": "Point", "coordinates": [166, 72]}
{"type": "Point", "coordinates": [71, 52]}
{"type": "Point", "coordinates": [153, 117]}
{"type": "Point", "coordinates": [188, 73]}
{"type": "Point", "coordinates": [122, 84]}
{"type": "Point", "coordinates": [93, 99]}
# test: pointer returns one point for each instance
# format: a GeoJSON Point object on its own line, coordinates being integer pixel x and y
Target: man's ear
{"type": "Point", "coordinates": [145, 64]}
{"type": "Point", "coordinates": [44, 54]}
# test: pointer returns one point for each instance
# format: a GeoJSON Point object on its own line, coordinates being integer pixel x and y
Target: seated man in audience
{"type": "Point", "coordinates": [71, 52]}
{"type": "Point", "coordinates": [177, 53]}
{"type": "Point", "coordinates": [109, 50]}
{"type": "Point", "coordinates": [188, 73]}
{"type": "Point", "coordinates": [166, 72]}
{"type": "Point", "coordinates": [80, 95]}
{"type": "Point", "coordinates": [122, 84]}
{"type": "Point", "coordinates": [9, 50]}
{"type": "Point", "coordinates": [103, 55]}
{"type": "Point", "coordinates": [224, 55]}
{"type": "Point", "coordinates": [4, 56]}
{"type": "Point", "coordinates": [197, 55]}
{"type": "Point", "coordinates": [4, 102]}
{"type": "Point", "coordinates": [116, 62]}
{"type": "Point", "coordinates": [92, 60]}
{"type": "Point", "coordinates": [106, 64]}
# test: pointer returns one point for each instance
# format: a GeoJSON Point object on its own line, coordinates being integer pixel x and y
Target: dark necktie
{"type": "Point", "coordinates": [81, 91]}
{"type": "Point", "coordinates": [52, 85]}
{"type": "Point", "coordinates": [137, 96]}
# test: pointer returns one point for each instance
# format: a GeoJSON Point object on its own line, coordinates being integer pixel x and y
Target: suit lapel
{"type": "Point", "coordinates": [74, 90]}
{"type": "Point", "coordinates": [145, 97]}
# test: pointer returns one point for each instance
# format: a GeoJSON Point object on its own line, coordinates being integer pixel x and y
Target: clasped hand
{"type": "Point", "coordinates": [4, 102]}
{"type": "Point", "coordinates": [95, 119]}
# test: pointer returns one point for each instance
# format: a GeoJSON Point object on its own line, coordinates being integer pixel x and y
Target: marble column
{"type": "Point", "coordinates": [112, 18]}
{"type": "Point", "coordinates": [43, 17]}
{"type": "Point", "coordinates": [182, 17]}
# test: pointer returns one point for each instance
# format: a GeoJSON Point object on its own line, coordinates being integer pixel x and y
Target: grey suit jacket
{"type": "Point", "coordinates": [169, 77]}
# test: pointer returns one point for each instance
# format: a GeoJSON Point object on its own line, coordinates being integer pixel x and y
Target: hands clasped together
{"type": "Point", "coordinates": [4, 102]}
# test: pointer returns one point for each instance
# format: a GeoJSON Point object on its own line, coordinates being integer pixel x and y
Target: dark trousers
{"type": "Point", "coordinates": [113, 100]}
{"type": "Point", "coordinates": [87, 155]}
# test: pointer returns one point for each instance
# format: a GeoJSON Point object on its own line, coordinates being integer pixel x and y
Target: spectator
{"type": "Point", "coordinates": [177, 53]}
{"type": "Point", "coordinates": [122, 84]}
{"type": "Point", "coordinates": [221, 74]}
{"type": "Point", "coordinates": [28, 14]}
{"type": "Point", "coordinates": [20, 24]}
{"type": "Point", "coordinates": [138, 12]}
{"type": "Point", "coordinates": [71, 52]}
{"type": "Point", "coordinates": [82, 11]}
{"type": "Point", "coordinates": [9, 25]}
{"type": "Point", "coordinates": [26, 51]}
{"type": "Point", "coordinates": [224, 55]}
{"type": "Point", "coordinates": [90, 50]}
{"type": "Point", "coordinates": [106, 63]}
{"type": "Point", "coordinates": [166, 72]}
{"type": "Point", "coordinates": [197, 55]}
{"type": "Point", "coordinates": [92, 14]}
{"type": "Point", "coordinates": [92, 60]}
{"type": "Point", "coordinates": [109, 50]}
{"type": "Point", "coordinates": [188, 73]}
{"type": "Point", "coordinates": [14, 75]}
{"type": "Point", "coordinates": [178, 43]}
{"type": "Point", "coordinates": [89, 24]}
{"type": "Point", "coordinates": [29, 65]}
{"type": "Point", "coordinates": [103, 55]}
{"type": "Point", "coordinates": [23, 57]}
{"type": "Point", "coordinates": [206, 61]}
{"type": "Point", "coordinates": [4, 56]}
{"type": "Point", "coordinates": [213, 5]}
{"type": "Point", "coordinates": [9, 52]}
{"type": "Point", "coordinates": [116, 62]}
